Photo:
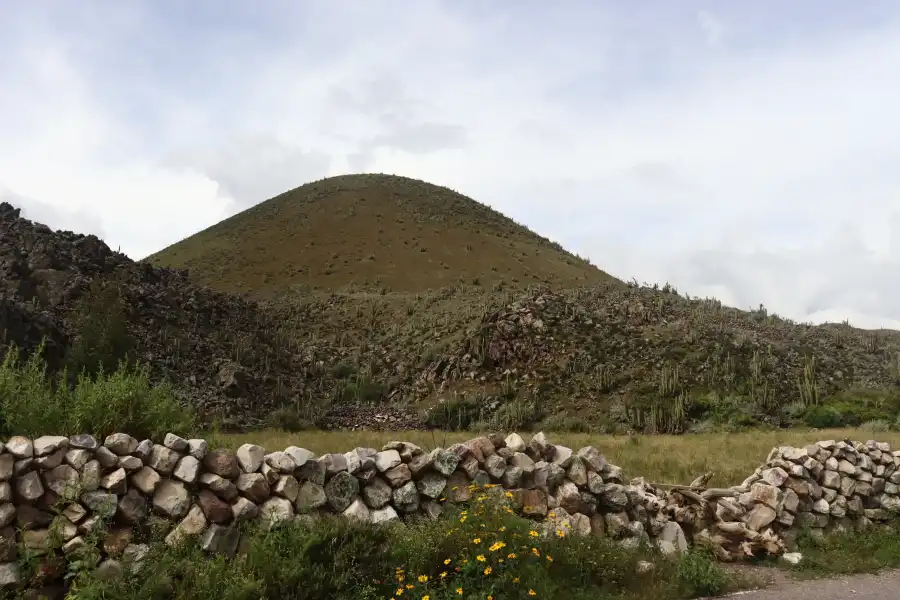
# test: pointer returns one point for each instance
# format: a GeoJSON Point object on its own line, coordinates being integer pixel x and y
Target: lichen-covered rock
{"type": "Point", "coordinates": [341, 489]}
{"type": "Point", "coordinates": [310, 496]}
{"type": "Point", "coordinates": [432, 485]}
{"type": "Point", "coordinates": [276, 510]}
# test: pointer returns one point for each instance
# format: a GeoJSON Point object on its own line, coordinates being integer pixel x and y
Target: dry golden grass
{"type": "Point", "coordinates": [659, 459]}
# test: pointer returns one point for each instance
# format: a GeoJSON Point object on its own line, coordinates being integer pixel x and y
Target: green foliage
{"type": "Point", "coordinates": [698, 574]}
{"type": "Point", "coordinates": [852, 408]}
{"type": "Point", "coordinates": [730, 412]}
{"type": "Point", "coordinates": [851, 552]}
{"type": "Point", "coordinates": [484, 551]}
{"type": "Point", "coordinates": [35, 403]}
{"type": "Point", "coordinates": [474, 412]}
{"type": "Point", "coordinates": [101, 340]}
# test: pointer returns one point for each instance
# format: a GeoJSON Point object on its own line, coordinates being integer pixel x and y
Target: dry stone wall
{"type": "Point", "coordinates": [55, 491]}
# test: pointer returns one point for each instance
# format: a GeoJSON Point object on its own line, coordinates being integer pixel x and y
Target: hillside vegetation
{"type": "Point", "coordinates": [372, 230]}
{"type": "Point", "coordinates": [462, 320]}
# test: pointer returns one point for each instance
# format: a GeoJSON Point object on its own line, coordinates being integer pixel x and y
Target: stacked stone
{"type": "Point", "coordinates": [57, 490]}
{"type": "Point", "coordinates": [827, 486]}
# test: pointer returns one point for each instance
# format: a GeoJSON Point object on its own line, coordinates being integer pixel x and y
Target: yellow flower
{"type": "Point", "coordinates": [560, 533]}
{"type": "Point", "coordinates": [549, 558]}
{"type": "Point", "coordinates": [497, 546]}
{"type": "Point", "coordinates": [535, 551]}
{"type": "Point", "coordinates": [399, 592]}
{"type": "Point", "coordinates": [488, 571]}
{"type": "Point", "coordinates": [502, 529]}
{"type": "Point", "coordinates": [410, 586]}
{"type": "Point", "coordinates": [509, 494]}
{"type": "Point", "coordinates": [511, 555]}
{"type": "Point", "coordinates": [533, 533]}
{"type": "Point", "coordinates": [426, 597]}
{"type": "Point", "coordinates": [476, 541]}
{"type": "Point", "coordinates": [459, 591]}
{"type": "Point", "coordinates": [400, 578]}
{"type": "Point", "coordinates": [480, 558]}
{"type": "Point", "coordinates": [515, 580]}
{"type": "Point", "coordinates": [443, 574]}
{"type": "Point", "coordinates": [423, 578]}
{"type": "Point", "coordinates": [532, 593]}
{"type": "Point", "coordinates": [447, 561]}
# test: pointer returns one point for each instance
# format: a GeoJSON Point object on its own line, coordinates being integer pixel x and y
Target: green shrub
{"type": "Point", "coordinates": [485, 551]}
{"type": "Point", "coordinates": [850, 552]}
{"type": "Point", "coordinates": [565, 424]}
{"type": "Point", "coordinates": [822, 417]}
{"type": "Point", "coordinates": [457, 413]}
{"type": "Point", "coordinates": [851, 408]}
{"type": "Point", "coordinates": [698, 574]}
{"type": "Point", "coordinates": [101, 339]}
{"type": "Point", "coordinates": [35, 403]}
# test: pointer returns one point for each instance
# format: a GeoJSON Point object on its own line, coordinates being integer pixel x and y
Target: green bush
{"type": "Point", "coordinates": [101, 340]}
{"type": "Point", "coordinates": [481, 552]}
{"type": "Point", "coordinates": [34, 402]}
{"type": "Point", "coordinates": [850, 552]}
{"type": "Point", "coordinates": [851, 408]}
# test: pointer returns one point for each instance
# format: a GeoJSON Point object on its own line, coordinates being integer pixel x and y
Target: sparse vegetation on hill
{"type": "Point", "coordinates": [383, 231]}
{"type": "Point", "coordinates": [460, 319]}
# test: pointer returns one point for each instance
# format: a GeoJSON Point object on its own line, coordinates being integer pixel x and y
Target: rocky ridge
{"type": "Point", "coordinates": [647, 357]}
{"type": "Point", "coordinates": [221, 352]}
{"type": "Point", "coordinates": [55, 491]}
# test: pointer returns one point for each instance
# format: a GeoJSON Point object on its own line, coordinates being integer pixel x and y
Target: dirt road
{"type": "Point", "coordinates": [884, 586]}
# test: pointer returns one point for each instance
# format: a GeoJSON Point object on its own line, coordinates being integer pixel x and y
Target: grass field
{"type": "Point", "coordinates": [659, 459]}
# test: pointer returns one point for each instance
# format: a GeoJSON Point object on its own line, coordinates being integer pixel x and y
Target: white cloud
{"type": "Point", "coordinates": [761, 172]}
{"type": "Point", "coordinates": [712, 27]}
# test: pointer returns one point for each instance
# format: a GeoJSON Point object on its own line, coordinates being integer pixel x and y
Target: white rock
{"type": "Point", "coordinates": [20, 447]}
{"type": "Point", "coordinates": [250, 457]}
{"type": "Point", "coordinates": [176, 443]}
{"type": "Point", "coordinates": [187, 469]}
{"type": "Point", "coordinates": [47, 444]}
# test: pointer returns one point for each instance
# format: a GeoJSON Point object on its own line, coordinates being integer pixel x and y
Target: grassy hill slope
{"type": "Point", "coordinates": [406, 298]}
{"type": "Point", "coordinates": [386, 231]}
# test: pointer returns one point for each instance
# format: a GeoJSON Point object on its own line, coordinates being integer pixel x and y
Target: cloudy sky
{"type": "Point", "coordinates": [744, 150]}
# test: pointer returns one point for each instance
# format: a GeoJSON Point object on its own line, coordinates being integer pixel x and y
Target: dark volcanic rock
{"type": "Point", "coordinates": [217, 349]}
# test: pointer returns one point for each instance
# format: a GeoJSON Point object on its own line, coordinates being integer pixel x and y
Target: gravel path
{"type": "Point", "coordinates": [884, 586]}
